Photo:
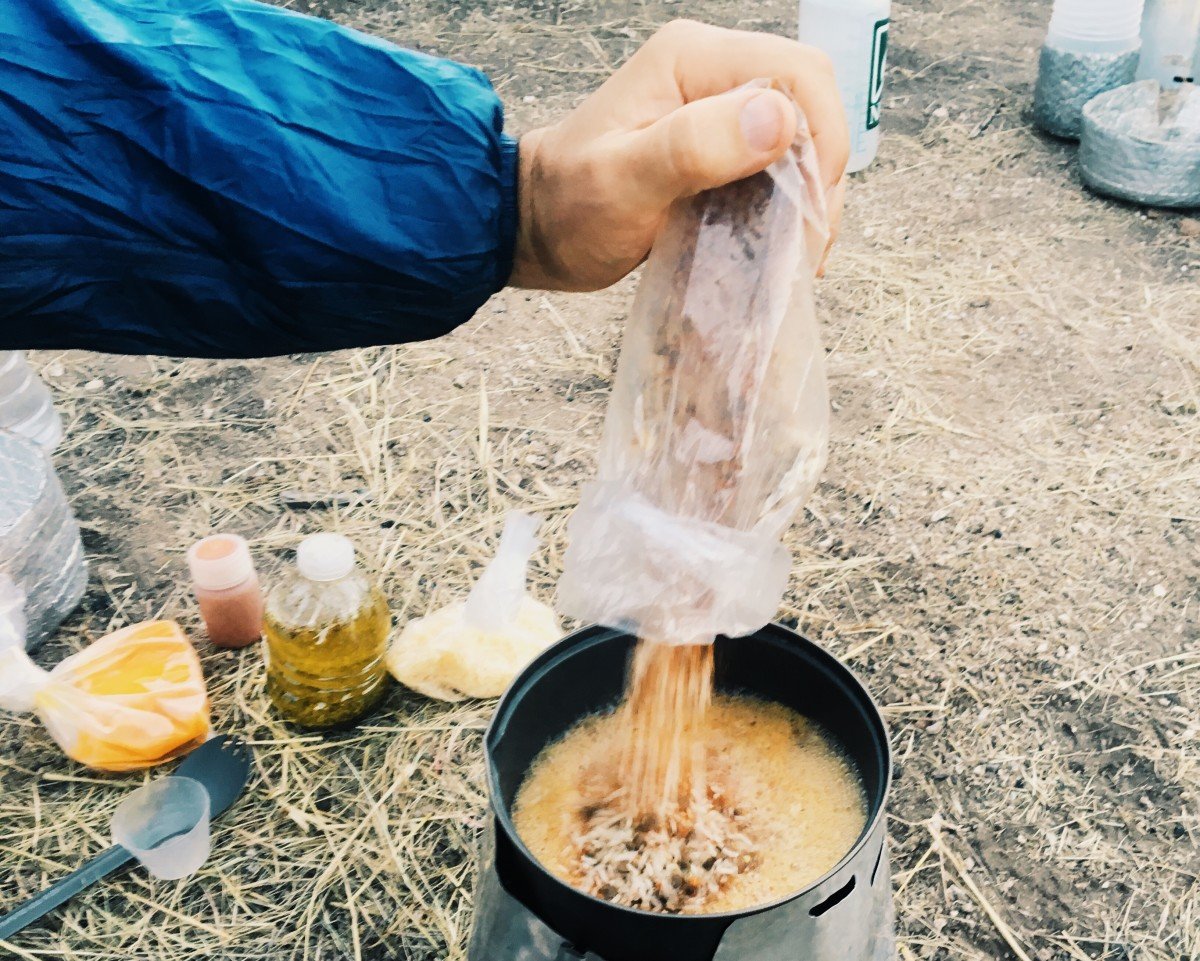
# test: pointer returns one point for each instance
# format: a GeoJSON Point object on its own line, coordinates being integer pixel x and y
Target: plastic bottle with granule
{"type": "Point", "coordinates": [227, 590]}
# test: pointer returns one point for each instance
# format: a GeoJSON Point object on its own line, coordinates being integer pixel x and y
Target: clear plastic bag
{"type": "Point", "coordinates": [476, 647]}
{"type": "Point", "coordinates": [718, 424]}
{"type": "Point", "coordinates": [130, 700]}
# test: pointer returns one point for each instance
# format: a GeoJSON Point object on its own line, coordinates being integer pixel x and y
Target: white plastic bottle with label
{"type": "Point", "coordinates": [1171, 42]}
{"type": "Point", "coordinates": [854, 33]}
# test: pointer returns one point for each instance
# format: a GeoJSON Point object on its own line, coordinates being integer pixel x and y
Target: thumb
{"type": "Point", "coordinates": [708, 143]}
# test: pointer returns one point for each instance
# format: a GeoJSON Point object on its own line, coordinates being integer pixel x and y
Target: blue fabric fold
{"type": "Point", "coordinates": [223, 178]}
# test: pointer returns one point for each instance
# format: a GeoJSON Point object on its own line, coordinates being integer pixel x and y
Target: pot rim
{"type": "Point", "coordinates": [597, 633]}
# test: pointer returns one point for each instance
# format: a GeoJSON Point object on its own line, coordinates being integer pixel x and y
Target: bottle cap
{"type": "Point", "coordinates": [325, 557]}
{"type": "Point", "coordinates": [220, 562]}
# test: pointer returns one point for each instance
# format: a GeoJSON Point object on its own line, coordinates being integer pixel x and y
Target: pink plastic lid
{"type": "Point", "coordinates": [220, 562]}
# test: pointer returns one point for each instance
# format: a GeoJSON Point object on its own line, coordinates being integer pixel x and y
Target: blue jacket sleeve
{"type": "Point", "coordinates": [222, 178]}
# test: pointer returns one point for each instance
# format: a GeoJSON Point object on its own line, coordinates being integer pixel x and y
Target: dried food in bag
{"type": "Point", "coordinates": [476, 647]}
{"type": "Point", "coordinates": [718, 424]}
{"type": "Point", "coordinates": [130, 700]}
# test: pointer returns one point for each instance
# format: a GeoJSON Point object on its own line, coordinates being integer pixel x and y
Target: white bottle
{"type": "Point", "coordinates": [1095, 26]}
{"type": "Point", "coordinates": [1170, 42]}
{"type": "Point", "coordinates": [854, 33]}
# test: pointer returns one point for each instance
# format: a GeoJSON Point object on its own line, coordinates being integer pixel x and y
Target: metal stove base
{"type": "Point", "coordinates": [861, 927]}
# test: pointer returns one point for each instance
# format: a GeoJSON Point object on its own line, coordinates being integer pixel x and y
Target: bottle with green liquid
{"type": "Point", "coordinates": [326, 629]}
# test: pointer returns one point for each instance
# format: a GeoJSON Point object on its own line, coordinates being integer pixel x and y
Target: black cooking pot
{"type": "Point", "coordinates": [585, 673]}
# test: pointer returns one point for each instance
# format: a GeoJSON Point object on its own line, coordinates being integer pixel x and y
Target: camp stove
{"type": "Point", "coordinates": [524, 913]}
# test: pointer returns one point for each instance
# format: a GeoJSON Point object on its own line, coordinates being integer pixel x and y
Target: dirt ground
{"type": "Point", "coordinates": [1004, 545]}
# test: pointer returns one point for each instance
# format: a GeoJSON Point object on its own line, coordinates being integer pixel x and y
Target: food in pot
{"type": "Point", "coordinates": [780, 807]}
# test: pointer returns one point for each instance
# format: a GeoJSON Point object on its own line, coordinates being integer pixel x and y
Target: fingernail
{"type": "Point", "coordinates": [762, 122]}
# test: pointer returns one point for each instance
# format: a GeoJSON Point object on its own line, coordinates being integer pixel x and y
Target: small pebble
{"type": "Point", "coordinates": [1189, 227]}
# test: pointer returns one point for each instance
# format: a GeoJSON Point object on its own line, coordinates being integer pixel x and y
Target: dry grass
{"type": "Point", "coordinates": [1004, 545]}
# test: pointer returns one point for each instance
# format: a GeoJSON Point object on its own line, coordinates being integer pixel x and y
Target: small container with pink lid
{"type": "Point", "coordinates": [227, 589]}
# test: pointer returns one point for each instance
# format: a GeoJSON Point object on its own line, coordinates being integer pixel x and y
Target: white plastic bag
{"type": "Point", "coordinates": [475, 648]}
{"type": "Point", "coordinates": [718, 424]}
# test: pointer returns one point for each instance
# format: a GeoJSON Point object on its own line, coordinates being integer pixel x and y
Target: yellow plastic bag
{"type": "Point", "coordinates": [130, 700]}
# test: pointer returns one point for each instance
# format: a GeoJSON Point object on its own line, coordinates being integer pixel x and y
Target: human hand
{"type": "Point", "coordinates": [595, 187]}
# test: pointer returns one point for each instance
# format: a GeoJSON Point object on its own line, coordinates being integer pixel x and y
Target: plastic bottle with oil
{"type": "Point", "coordinates": [326, 629]}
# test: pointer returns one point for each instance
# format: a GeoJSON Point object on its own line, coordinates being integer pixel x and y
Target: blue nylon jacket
{"type": "Point", "coordinates": [222, 178]}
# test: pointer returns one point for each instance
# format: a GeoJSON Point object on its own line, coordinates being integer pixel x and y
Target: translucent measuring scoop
{"type": "Point", "coordinates": [220, 766]}
{"type": "Point", "coordinates": [165, 825]}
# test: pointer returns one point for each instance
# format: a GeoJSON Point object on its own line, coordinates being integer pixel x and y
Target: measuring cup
{"type": "Point", "coordinates": [165, 826]}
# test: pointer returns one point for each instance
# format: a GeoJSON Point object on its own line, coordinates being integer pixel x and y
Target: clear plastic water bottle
{"type": "Point", "coordinates": [1171, 42]}
{"type": "Point", "coordinates": [1091, 47]}
{"type": "Point", "coordinates": [1095, 26]}
{"type": "Point", "coordinates": [40, 550]}
{"type": "Point", "coordinates": [854, 34]}
{"type": "Point", "coordinates": [26, 407]}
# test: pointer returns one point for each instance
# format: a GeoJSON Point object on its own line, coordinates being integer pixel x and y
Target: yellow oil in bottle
{"type": "Point", "coordinates": [326, 631]}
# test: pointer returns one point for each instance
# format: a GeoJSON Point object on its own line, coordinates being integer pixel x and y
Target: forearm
{"type": "Point", "coordinates": [230, 179]}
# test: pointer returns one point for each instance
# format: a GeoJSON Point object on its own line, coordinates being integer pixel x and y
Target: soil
{"type": "Point", "coordinates": [1004, 544]}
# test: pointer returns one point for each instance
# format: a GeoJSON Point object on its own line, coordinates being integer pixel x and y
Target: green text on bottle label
{"type": "Point", "coordinates": [879, 43]}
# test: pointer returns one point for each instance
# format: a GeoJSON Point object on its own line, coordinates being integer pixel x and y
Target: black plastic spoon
{"type": "Point", "coordinates": [221, 764]}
